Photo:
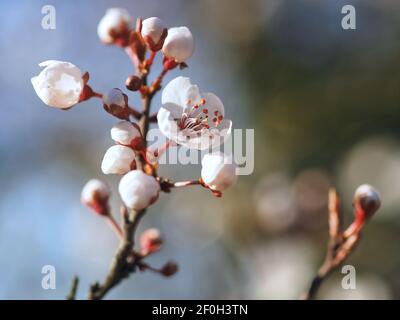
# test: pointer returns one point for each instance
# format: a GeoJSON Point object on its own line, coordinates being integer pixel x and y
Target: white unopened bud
{"type": "Point", "coordinates": [59, 84]}
{"type": "Point", "coordinates": [138, 190]}
{"type": "Point", "coordinates": [218, 171]}
{"type": "Point", "coordinates": [128, 134]}
{"type": "Point", "coordinates": [95, 194]}
{"type": "Point", "coordinates": [153, 29]}
{"type": "Point", "coordinates": [114, 24]}
{"type": "Point", "coordinates": [178, 44]}
{"type": "Point", "coordinates": [118, 160]}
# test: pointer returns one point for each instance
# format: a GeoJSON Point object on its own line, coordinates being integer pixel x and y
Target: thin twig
{"type": "Point", "coordinates": [120, 267]}
{"type": "Point", "coordinates": [74, 288]}
{"type": "Point", "coordinates": [339, 247]}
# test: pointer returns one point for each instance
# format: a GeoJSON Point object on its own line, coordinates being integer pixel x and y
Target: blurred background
{"type": "Point", "coordinates": [325, 106]}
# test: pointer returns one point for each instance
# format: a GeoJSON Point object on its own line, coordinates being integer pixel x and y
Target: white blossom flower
{"type": "Point", "coordinates": [138, 190]}
{"type": "Point", "coordinates": [114, 23]}
{"type": "Point", "coordinates": [191, 118]}
{"type": "Point", "coordinates": [152, 28]}
{"type": "Point", "coordinates": [118, 160]}
{"type": "Point", "coordinates": [95, 195]}
{"type": "Point", "coordinates": [59, 84]}
{"type": "Point", "coordinates": [218, 171]}
{"type": "Point", "coordinates": [178, 44]}
{"type": "Point", "coordinates": [127, 133]}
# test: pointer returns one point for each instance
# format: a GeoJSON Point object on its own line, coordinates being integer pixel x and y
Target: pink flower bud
{"type": "Point", "coordinates": [114, 27]}
{"type": "Point", "coordinates": [115, 102]}
{"type": "Point", "coordinates": [95, 194]}
{"type": "Point", "coordinates": [128, 134]}
{"type": "Point", "coordinates": [118, 160]}
{"type": "Point", "coordinates": [153, 32]}
{"type": "Point", "coordinates": [218, 171]}
{"type": "Point", "coordinates": [150, 241]}
{"type": "Point", "coordinates": [133, 83]}
{"type": "Point", "coordinates": [138, 190]}
{"type": "Point", "coordinates": [178, 44]}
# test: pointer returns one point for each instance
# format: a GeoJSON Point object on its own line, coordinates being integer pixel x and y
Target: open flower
{"type": "Point", "coordinates": [128, 134]}
{"type": "Point", "coordinates": [218, 171]}
{"type": "Point", "coordinates": [114, 27]}
{"type": "Point", "coordinates": [59, 84]}
{"type": "Point", "coordinates": [118, 160]}
{"type": "Point", "coordinates": [95, 194]}
{"type": "Point", "coordinates": [191, 118]}
{"type": "Point", "coordinates": [179, 44]}
{"type": "Point", "coordinates": [138, 190]}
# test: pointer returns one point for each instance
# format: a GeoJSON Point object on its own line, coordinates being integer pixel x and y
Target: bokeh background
{"type": "Point", "coordinates": [325, 106]}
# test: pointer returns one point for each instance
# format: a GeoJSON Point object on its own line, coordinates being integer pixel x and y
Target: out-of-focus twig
{"type": "Point", "coordinates": [339, 246]}
{"type": "Point", "coordinates": [74, 288]}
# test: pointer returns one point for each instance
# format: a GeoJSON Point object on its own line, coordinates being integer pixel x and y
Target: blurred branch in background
{"type": "Point", "coordinates": [341, 244]}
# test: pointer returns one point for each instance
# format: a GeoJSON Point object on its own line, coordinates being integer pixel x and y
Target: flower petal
{"type": "Point", "coordinates": [177, 94]}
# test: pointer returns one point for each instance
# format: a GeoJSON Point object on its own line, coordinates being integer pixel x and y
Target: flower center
{"type": "Point", "coordinates": [196, 121]}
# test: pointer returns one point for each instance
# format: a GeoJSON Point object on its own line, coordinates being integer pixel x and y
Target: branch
{"type": "Point", "coordinates": [339, 246]}
{"type": "Point", "coordinates": [123, 262]}
{"type": "Point", "coordinates": [74, 288]}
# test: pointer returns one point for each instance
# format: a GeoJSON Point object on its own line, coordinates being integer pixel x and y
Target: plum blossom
{"type": "Point", "coordinates": [138, 190]}
{"type": "Point", "coordinates": [218, 171]}
{"type": "Point", "coordinates": [179, 44]}
{"type": "Point", "coordinates": [114, 24]}
{"type": "Point", "coordinates": [118, 160]}
{"type": "Point", "coordinates": [95, 194]}
{"type": "Point", "coordinates": [152, 31]}
{"type": "Point", "coordinates": [59, 84]}
{"type": "Point", "coordinates": [192, 118]}
{"type": "Point", "coordinates": [128, 134]}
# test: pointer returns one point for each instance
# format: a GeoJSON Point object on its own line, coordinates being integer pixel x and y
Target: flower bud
{"type": "Point", "coordinates": [115, 102]}
{"type": "Point", "coordinates": [366, 202]}
{"type": "Point", "coordinates": [153, 32]}
{"type": "Point", "coordinates": [178, 44]}
{"type": "Point", "coordinates": [95, 194]}
{"type": "Point", "coordinates": [218, 171]}
{"type": "Point", "coordinates": [114, 27]}
{"type": "Point", "coordinates": [133, 83]}
{"type": "Point", "coordinates": [59, 84]}
{"type": "Point", "coordinates": [128, 134]}
{"type": "Point", "coordinates": [118, 160]}
{"type": "Point", "coordinates": [150, 241]}
{"type": "Point", "coordinates": [138, 190]}
{"type": "Point", "coordinates": [169, 269]}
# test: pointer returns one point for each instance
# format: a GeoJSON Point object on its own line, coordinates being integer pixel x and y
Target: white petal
{"type": "Point", "coordinates": [176, 95]}
{"type": "Point", "coordinates": [117, 160]}
{"type": "Point", "coordinates": [213, 105]}
{"type": "Point", "coordinates": [167, 124]}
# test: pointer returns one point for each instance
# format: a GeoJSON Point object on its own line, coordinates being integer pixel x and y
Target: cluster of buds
{"type": "Point", "coordinates": [188, 117]}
